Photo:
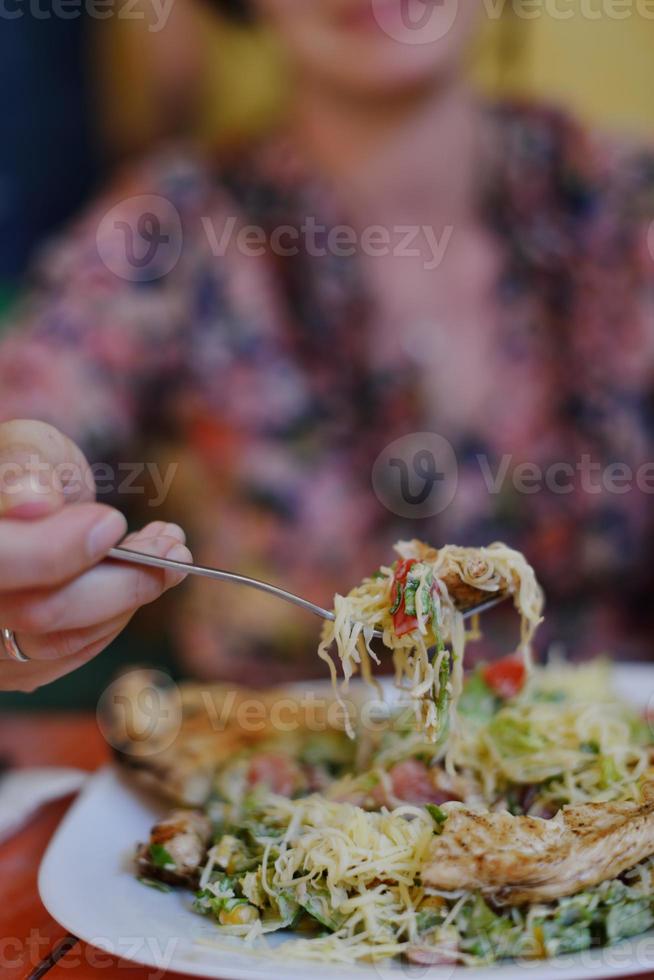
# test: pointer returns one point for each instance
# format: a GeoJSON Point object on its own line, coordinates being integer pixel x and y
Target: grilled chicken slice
{"type": "Point", "coordinates": [183, 836]}
{"type": "Point", "coordinates": [466, 596]}
{"type": "Point", "coordinates": [515, 860]}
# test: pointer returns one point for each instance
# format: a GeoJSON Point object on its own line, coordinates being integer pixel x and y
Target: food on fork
{"type": "Point", "coordinates": [418, 602]}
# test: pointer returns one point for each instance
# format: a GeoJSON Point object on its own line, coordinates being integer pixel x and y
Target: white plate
{"type": "Point", "coordinates": [86, 884]}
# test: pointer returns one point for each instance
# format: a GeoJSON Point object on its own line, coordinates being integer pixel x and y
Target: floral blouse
{"type": "Point", "coordinates": [251, 374]}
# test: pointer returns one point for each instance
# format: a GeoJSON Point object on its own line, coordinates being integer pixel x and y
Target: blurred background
{"type": "Point", "coordinates": [88, 93]}
{"type": "Point", "coordinates": [90, 96]}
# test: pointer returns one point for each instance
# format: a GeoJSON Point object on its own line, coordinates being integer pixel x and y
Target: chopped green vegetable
{"type": "Point", "coordinates": [159, 886]}
{"type": "Point", "coordinates": [436, 813]}
{"type": "Point", "coordinates": [399, 592]}
{"type": "Point", "coordinates": [427, 598]}
{"type": "Point", "coordinates": [317, 905]}
{"type": "Point", "coordinates": [428, 918]}
{"type": "Point", "coordinates": [513, 735]}
{"type": "Point", "coordinates": [160, 856]}
{"type": "Point", "coordinates": [443, 695]}
{"type": "Point", "coordinates": [410, 597]}
{"type": "Point", "coordinates": [591, 748]}
{"type": "Point", "coordinates": [289, 910]}
{"type": "Point", "coordinates": [609, 770]}
{"type": "Point", "coordinates": [477, 700]}
{"type": "Point", "coordinates": [627, 920]}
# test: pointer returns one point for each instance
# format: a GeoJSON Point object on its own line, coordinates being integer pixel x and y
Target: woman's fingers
{"type": "Point", "coordinates": [109, 590]}
{"type": "Point", "coordinates": [157, 529]}
{"type": "Point", "coordinates": [40, 470]}
{"type": "Point", "coordinates": [70, 643]}
{"type": "Point", "coordinates": [40, 553]}
{"type": "Point", "coordinates": [62, 601]}
{"type": "Point", "coordinates": [43, 543]}
{"type": "Point", "coordinates": [91, 599]}
{"type": "Point", "coordinates": [28, 677]}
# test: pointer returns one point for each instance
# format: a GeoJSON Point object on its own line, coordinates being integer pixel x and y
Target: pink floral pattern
{"type": "Point", "coordinates": [255, 374]}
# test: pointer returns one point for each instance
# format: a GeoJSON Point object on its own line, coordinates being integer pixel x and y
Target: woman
{"type": "Point", "coordinates": [402, 259]}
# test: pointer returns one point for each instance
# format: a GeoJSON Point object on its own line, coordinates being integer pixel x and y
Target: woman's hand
{"type": "Point", "coordinates": [63, 606]}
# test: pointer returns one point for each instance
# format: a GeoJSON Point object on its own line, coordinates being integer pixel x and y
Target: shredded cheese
{"type": "Point", "coordinates": [433, 682]}
{"type": "Point", "coordinates": [368, 863]}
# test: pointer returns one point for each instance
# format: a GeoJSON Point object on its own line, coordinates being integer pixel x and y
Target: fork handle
{"type": "Point", "coordinates": [218, 574]}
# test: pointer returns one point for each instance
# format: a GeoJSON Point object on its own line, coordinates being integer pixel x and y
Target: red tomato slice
{"type": "Point", "coordinates": [402, 623]}
{"type": "Point", "coordinates": [506, 677]}
{"type": "Point", "coordinates": [403, 568]}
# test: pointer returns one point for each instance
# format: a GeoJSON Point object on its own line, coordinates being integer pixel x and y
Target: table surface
{"type": "Point", "coordinates": [32, 944]}
{"type": "Point", "coordinates": [30, 940]}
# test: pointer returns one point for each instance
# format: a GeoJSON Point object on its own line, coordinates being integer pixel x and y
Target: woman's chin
{"type": "Point", "coordinates": [386, 72]}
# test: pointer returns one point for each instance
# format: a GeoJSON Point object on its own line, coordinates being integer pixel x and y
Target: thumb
{"type": "Point", "coordinates": [40, 469]}
{"type": "Point", "coordinates": [29, 489]}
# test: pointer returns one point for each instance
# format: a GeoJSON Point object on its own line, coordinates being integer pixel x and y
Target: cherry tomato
{"type": "Point", "coordinates": [506, 677]}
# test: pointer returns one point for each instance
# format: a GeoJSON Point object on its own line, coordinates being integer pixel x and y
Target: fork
{"type": "Point", "coordinates": [218, 574]}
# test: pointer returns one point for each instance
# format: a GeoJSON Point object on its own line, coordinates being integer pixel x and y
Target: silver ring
{"type": "Point", "coordinates": [12, 649]}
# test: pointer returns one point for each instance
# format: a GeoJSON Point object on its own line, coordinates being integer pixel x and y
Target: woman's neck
{"type": "Point", "coordinates": [405, 155]}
